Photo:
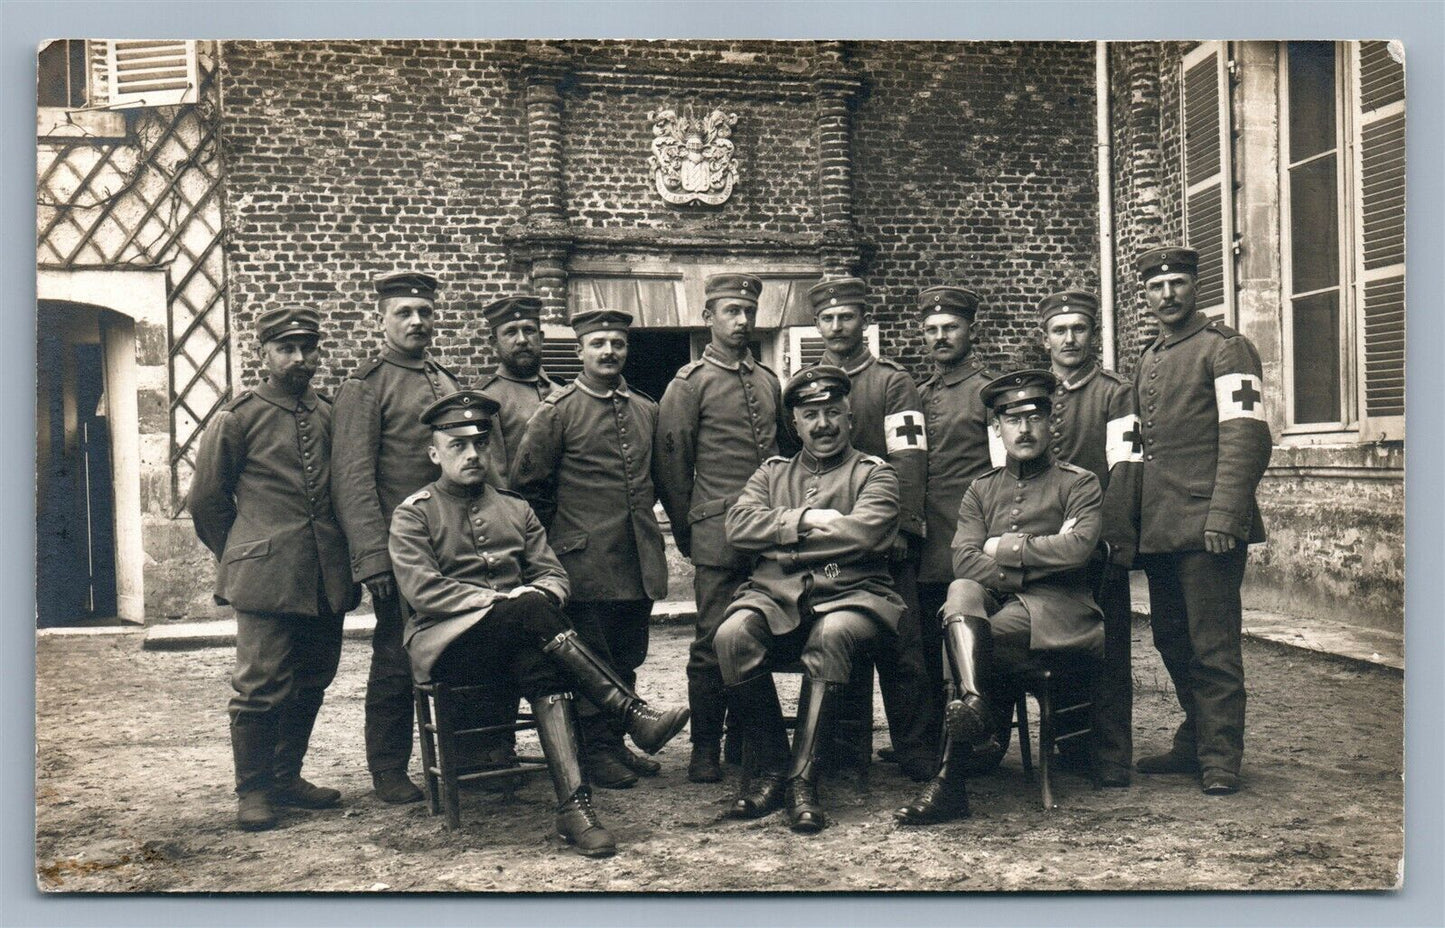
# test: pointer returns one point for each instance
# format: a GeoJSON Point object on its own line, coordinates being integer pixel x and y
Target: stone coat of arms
{"type": "Point", "coordinates": [692, 159]}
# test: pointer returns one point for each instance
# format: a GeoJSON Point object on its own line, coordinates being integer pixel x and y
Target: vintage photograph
{"type": "Point", "coordinates": [633, 466]}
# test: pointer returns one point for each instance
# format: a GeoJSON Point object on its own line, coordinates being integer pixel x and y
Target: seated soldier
{"type": "Point", "coordinates": [472, 562]}
{"type": "Point", "coordinates": [821, 526]}
{"type": "Point", "coordinates": [1025, 533]}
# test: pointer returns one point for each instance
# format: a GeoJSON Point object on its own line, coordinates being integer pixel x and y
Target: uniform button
{"type": "Point", "coordinates": [1152, 391]}
{"type": "Point", "coordinates": [309, 468]}
{"type": "Point", "coordinates": [1150, 423]}
{"type": "Point", "coordinates": [1148, 457]}
{"type": "Point", "coordinates": [1016, 512]}
{"type": "Point", "coordinates": [1151, 407]}
{"type": "Point", "coordinates": [1056, 449]}
{"type": "Point", "coordinates": [1021, 484]}
{"type": "Point", "coordinates": [1019, 498]}
{"type": "Point", "coordinates": [1016, 547]}
{"type": "Point", "coordinates": [1002, 574]}
{"type": "Point", "coordinates": [1150, 439]}
{"type": "Point", "coordinates": [1013, 527]}
{"type": "Point", "coordinates": [306, 454]}
{"type": "Point", "coordinates": [1063, 406]}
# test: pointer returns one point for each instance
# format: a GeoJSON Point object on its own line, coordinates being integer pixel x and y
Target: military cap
{"type": "Point", "coordinates": [596, 320]}
{"type": "Point", "coordinates": [1020, 391]}
{"type": "Point", "coordinates": [512, 308]}
{"type": "Point", "coordinates": [821, 384]}
{"type": "Point", "coordinates": [287, 320]}
{"type": "Point", "coordinates": [840, 291]}
{"type": "Point", "coordinates": [407, 283]}
{"type": "Point", "coordinates": [1173, 259]}
{"type": "Point", "coordinates": [463, 413]}
{"type": "Point", "coordinates": [732, 286]}
{"type": "Point", "coordinates": [1068, 301]}
{"type": "Point", "coordinates": [960, 301]}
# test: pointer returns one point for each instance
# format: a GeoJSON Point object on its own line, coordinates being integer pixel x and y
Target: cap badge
{"type": "Point", "coordinates": [1163, 267]}
{"type": "Point", "coordinates": [466, 413]}
{"type": "Point", "coordinates": [466, 401]}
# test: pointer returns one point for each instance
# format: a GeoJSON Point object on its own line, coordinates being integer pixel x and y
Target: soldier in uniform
{"type": "Point", "coordinates": [261, 501]}
{"type": "Point", "coordinates": [719, 419]}
{"type": "Point", "coordinates": [585, 464]}
{"type": "Point", "coordinates": [888, 422]}
{"type": "Point", "coordinates": [821, 527]}
{"type": "Point", "coordinates": [486, 594]}
{"type": "Point", "coordinates": [519, 383]}
{"type": "Point", "coordinates": [1025, 533]}
{"type": "Point", "coordinates": [1206, 446]}
{"type": "Point", "coordinates": [378, 460]}
{"type": "Point", "coordinates": [1095, 424]}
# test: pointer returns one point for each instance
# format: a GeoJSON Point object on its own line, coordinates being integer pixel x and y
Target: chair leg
{"type": "Point", "coordinates": [1026, 750]}
{"type": "Point", "coordinates": [446, 762]}
{"type": "Point", "coordinates": [427, 738]}
{"type": "Point", "coordinates": [1046, 740]}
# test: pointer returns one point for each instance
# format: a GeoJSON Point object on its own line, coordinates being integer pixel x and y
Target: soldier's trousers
{"type": "Point", "coordinates": [504, 650]}
{"type": "Point", "coordinates": [912, 703]}
{"type": "Point", "coordinates": [828, 647]}
{"type": "Point", "coordinates": [388, 693]}
{"type": "Point", "coordinates": [283, 665]}
{"type": "Point", "coordinates": [713, 588]}
{"type": "Point", "coordinates": [617, 632]}
{"type": "Point", "coordinates": [1196, 615]}
{"type": "Point", "coordinates": [1114, 688]}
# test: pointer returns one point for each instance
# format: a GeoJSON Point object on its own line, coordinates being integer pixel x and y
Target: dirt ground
{"type": "Point", "coordinates": [133, 783]}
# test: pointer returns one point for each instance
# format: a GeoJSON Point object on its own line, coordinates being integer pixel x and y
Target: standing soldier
{"type": "Point", "coordinates": [1206, 445]}
{"type": "Point", "coordinates": [261, 501]}
{"type": "Point", "coordinates": [960, 449]}
{"type": "Point", "coordinates": [720, 418]}
{"type": "Point", "coordinates": [1095, 425]}
{"type": "Point", "coordinates": [380, 459]}
{"type": "Point", "coordinates": [519, 382]}
{"type": "Point", "coordinates": [888, 422]}
{"type": "Point", "coordinates": [585, 465]}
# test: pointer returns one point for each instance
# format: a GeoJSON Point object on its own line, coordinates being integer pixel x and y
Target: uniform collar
{"type": "Point", "coordinates": [1024, 470]}
{"type": "Point", "coordinates": [1089, 372]}
{"type": "Point", "coordinates": [392, 356]}
{"type": "Point", "coordinates": [815, 466]}
{"type": "Point", "coordinates": [620, 390]}
{"type": "Point", "coordinates": [447, 488]}
{"type": "Point", "coordinates": [864, 359]}
{"type": "Point", "coordinates": [746, 362]}
{"type": "Point", "coordinates": [542, 378]}
{"type": "Point", "coordinates": [1198, 324]}
{"type": "Point", "coordinates": [961, 371]}
{"type": "Point", "coordinates": [277, 397]}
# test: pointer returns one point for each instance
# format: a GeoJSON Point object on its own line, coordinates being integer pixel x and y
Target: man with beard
{"type": "Point", "coordinates": [1095, 424]}
{"type": "Point", "coordinates": [1025, 533]}
{"type": "Point", "coordinates": [585, 465]}
{"type": "Point", "coordinates": [720, 418]}
{"type": "Point", "coordinates": [821, 527]}
{"type": "Point", "coordinates": [888, 422]}
{"type": "Point", "coordinates": [519, 384]}
{"type": "Point", "coordinates": [378, 460]}
{"type": "Point", "coordinates": [486, 594]}
{"type": "Point", "coordinates": [261, 501]}
{"type": "Point", "coordinates": [1206, 446]}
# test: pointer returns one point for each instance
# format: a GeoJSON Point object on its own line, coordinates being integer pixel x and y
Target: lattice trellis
{"type": "Point", "coordinates": [153, 199]}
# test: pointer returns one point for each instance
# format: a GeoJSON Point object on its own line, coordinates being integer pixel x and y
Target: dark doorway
{"type": "Point", "coordinates": [653, 357]}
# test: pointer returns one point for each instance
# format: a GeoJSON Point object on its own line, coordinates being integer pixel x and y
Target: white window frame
{"type": "Point", "coordinates": [1227, 312]}
{"type": "Point", "coordinates": [123, 96]}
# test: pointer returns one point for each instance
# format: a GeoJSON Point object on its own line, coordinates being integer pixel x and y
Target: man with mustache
{"type": "Point", "coordinates": [720, 418]}
{"type": "Point", "coordinates": [820, 526]}
{"type": "Point", "coordinates": [487, 594]}
{"type": "Point", "coordinates": [519, 383]}
{"type": "Point", "coordinates": [1095, 424]}
{"type": "Point", "coordinates": [888, 422]}
{"type": "Point", "coordinates": [1206, 446]}
{"type": "Point", "coordinates": [585, 464]}
{"type": "Point", "coordinates": [1025, 534]}
{"type": "Point", "coordinates": [378, 460]}
{"type": "Point", "coordinates": [260, 499]}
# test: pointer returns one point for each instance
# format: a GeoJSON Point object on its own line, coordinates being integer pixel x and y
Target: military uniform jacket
{"type": "Point", "coordinates": [1095, 424]}
{"type": "Point", "coordinates": [718, 421]}
{"type": "Point", "coordinates": [961, 446]}
{"type": "Point", "coordinates": [841, 565]}
{"type": "Point", "coordinates": [519, 399]}
{"type": "Point", "coordinates": [1206, 441]}
{"type": "Point", "coordinates": [1046, 515]}
{"type": "Point", "coordinates": [888, 422]}
{"type": "Point", "coordinates": [455, 555]}
{"type": "Point", "coordinates": [261, 501]}
{"type": "Point", "coordinates": [585, 465]}
{"type": "Point", "coordinates": [379, 455]}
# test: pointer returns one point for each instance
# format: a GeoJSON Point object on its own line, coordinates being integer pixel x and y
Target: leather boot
{"type": "Point", "coordinates": [253, 748]}
{"type": "Point", "coordinates": [600, 746]}
{"type": "Point", "coordinates": [706, 763]}
{"type": "Point", "coordinates": [753, 705]}
{"type": "Point", "coordinates": [293, 735]}
{"type": "Point", "coordinates": [576, 821]}
{"type": "Point", "coordinates": [639, 764]}
{"type": "Point", "coordinates": [969, 642]}
{"type": "Point", "coordinates": [805, 812]}
{"type": "Point", "coordinates": [649, 728]}
{"type": "Point", "coordinates": [945, 797]}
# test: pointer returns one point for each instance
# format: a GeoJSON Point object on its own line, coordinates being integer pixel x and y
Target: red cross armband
{"type": "Point", "coordinates": [904, 431]}
{"type": "Point", "coordinates": [1123, 442]}
{"type": "Point", "coordinates": [1238, 397]}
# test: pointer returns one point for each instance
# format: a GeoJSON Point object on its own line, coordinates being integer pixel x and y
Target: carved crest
{"type": "Point", "coordinates": [692, 159]}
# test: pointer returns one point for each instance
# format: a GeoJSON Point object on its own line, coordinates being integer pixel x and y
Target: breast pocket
{"type": "Point", "coordinates": [248, 550]}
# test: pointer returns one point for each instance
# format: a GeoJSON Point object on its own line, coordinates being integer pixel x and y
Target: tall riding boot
{"type": "Point", "coordinates": [805, 812]}
{"type": "Point", "coordinates": [577, 821]}
{"type": "Point", "coordinates": [253, 746]}
{"type": "Point", "coordinates": [969, 642]}
{"type": "Point", "coordinates": [295, 721]}
{"type": "Point", "coordinates": [753, 704]}
{"type": "Point", "coordinates": [649, 728]}
{"type": "Point", "coordinates": [946, 796]}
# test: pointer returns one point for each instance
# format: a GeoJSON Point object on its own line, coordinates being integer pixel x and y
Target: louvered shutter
{"type": "Point", "coordinates": [1380, 239]}
{"type": "Point", "coordinates": [559, 353]}
{"type": "Point", "coordinates": [1209, 177]}
{"type": "Point", "coordinates": [806, 347]}
{"type": "Point", "coordinates": [144, 73]}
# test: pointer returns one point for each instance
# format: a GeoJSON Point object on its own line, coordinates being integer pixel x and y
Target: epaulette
{"type": "Point", "coordinates": [560, 392]}
{"type": "Point", "coordinates": [1116, 377]}
{"type": "Point", "coordinates": [417, 497]}
{"type": "Point", "coordinates": [641, 394]}
{"type": "Point", "coordinates": [444, 369]}
{"type": "Point", "coordinates": [514, 495]}
{"type": "Point", "coordinates": [990, 472]}
{"type": "Point", "coordinates": [237, 400]}
{"type": "Point", "coordinates": [489, 381]}
{"type": "Point", "coordinates": [889, 362]}
{"type": "Point", "coordinates": [871, 460]}
{"type": "Point", "coordinates": [324, 397]}
{"type": "Point", "coordinates": [366, 368]}
{"type": "Point", "coordinates": [776, 459]}
{"type": "Point", "coordinates": [686, 370]}
{"type": "Point", "coordinates": [1223, 329]}
{"type": "Point", "coordinates": [1071, 468]}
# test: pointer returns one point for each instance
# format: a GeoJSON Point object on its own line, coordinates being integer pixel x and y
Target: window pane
{"type": "Point", "coordinates": [1311, 98]}
{"type": "Point", "coordinates": [1317, 358]}
{"type": "Point", "coordinates": [1314, 226]}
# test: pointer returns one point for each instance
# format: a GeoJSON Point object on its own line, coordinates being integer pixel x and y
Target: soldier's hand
{"type": "Point", "coordinates": [382, 586]}
{"type": "Point", "coordinates": [990, 547]}
{"type": "Point", "coordinates": [1219, 542]}
{"type": "Point", "coordinates": [817, 518]}
{"type": "Point", "coordinates": [522, 590]}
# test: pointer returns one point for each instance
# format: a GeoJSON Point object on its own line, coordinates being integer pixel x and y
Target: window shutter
{"type": "Point", "coordinates": [1380, 239]}
{"type": "Point", "coordinates": [1209, 177]}
{"type": "Point", "coordinates": [806, 347]}
{"type": "Point", "coordinates": [151, 73]}
{"type": "Point", "coordinates": [559, 353]}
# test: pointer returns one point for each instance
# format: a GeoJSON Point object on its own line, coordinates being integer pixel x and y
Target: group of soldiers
{"type": "Point", "coordinates": [948, 533]}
